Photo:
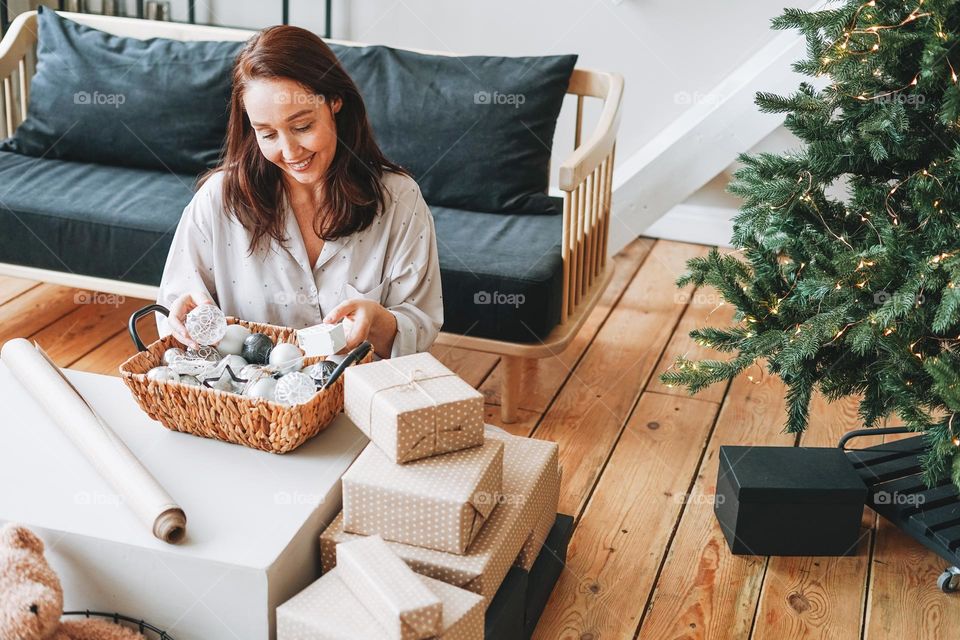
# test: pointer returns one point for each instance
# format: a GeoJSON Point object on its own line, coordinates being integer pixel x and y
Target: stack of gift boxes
{"type": "Point", "coordinates": [435, 491]}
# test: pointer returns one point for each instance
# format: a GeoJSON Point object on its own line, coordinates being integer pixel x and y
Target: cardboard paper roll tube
{"type": "Point", "coordinates": [95, 439]}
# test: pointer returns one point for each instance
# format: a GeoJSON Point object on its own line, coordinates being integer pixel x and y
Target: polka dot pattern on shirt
{"type": "Point", "coordinates": [278, 285]}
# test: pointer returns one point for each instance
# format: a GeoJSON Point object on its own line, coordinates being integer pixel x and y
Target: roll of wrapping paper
{"type": "Point", "coordinates": [95, 439]}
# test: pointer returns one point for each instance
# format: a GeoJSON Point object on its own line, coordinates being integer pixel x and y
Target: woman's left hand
{"type": "Point", "coordinates": [370, 321]}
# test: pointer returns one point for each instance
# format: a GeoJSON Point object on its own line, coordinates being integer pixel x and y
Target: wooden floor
{"type": "Point", "coordinates": [639, 460]}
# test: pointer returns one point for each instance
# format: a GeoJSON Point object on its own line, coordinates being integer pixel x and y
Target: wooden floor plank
{"type": "Point", "coordinates": [618, 544]}
{"type": "Point", "coordinates": [91, 324]}
{"type": "Point", "coordinates": [472, 366]}
{"type": "Point", "coordinates": [34, 309]}
{"type": "Point", "coordinates": [108, 357]}
{"type": "Point", "coordinates": [11, 287]}
{"type": "Point", "coordinates": [592, 407]}
{"type": "Point", "coordinates": [543, 377]}
{"type": "Point", "coordinates": [643, 552]}
{"type": "Point", "coordinates": [811, 597]}
{"type": "Point", "coordinates": [702, 311]}
{"type": "Point", "coordinates": [703, 590]}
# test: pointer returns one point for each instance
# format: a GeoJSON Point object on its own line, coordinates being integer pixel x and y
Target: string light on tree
{"type": "Point", "coordinates": [895, 231]}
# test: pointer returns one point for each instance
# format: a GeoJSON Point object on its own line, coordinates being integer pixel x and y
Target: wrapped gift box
{"type": "Point", "coordinates": [505, 617]}
{"type": "Point", "coordinates": [529, 472]}
{"type": "Point", "coordinates": [329, 610]}
{"type": "Point", "coordinates": [396, 596]}
{"type": "Point", "coordinates": [550, 501]}
{"type": "Point", "coordinates": [439, 502]}
{"type": "Point", "coordinates": [546, 571]}
{"type": "Point", "coordinates": [252, 517]}
{"type": "Point", "coordinates": [413, 407]}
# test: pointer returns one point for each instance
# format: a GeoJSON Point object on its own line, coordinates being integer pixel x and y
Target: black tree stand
{"type": "Point", "coordinates": [893, 475]}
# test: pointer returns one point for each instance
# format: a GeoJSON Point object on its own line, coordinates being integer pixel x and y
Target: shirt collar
{"type": "Point", "coordinates": [296, 247]}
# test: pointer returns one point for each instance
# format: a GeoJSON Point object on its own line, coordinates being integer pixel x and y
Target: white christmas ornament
{"type": "Point", "coordinates": [206, 324]}
{"type": "Point", "coordinates": [236, 364]}
{"type": "Point", "coordinates": [284, 352]}
{"type": "Point", "coordinates": [295, 388]}
{"type": "Point", "coordinates": [262, 388]}
{"type": "Point", "coordinates": [232, 341]}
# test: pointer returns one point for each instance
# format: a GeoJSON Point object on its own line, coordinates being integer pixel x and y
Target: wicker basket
{"type": "Point", "coordinates": [212, 413]}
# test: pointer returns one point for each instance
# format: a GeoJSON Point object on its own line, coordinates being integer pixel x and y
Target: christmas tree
{"type": "Point", "coordinates": [846, 273]}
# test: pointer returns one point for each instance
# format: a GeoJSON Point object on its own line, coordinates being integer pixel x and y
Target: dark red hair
{"type": "Point", "coordinates": [253, 186]}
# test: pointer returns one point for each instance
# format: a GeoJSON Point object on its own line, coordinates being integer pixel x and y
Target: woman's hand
{"type": "Point", "coordinates": [370, 321]}
{"type": "Point", "coordinates": [178, 314]}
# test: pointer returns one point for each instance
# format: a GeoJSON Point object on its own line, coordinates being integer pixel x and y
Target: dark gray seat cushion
{"type": "Point", "coordinates": [89, 219]}
{"type": "Point", "coordinates": [502, 273]}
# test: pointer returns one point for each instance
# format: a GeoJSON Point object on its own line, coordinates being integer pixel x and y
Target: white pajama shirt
{"type": "Point", "coordinates": [393, 261]}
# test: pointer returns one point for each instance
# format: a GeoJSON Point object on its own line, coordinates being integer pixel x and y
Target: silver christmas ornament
{"type": "Point", "coordinates": [172, 354]}
{"type": "Point", "coordinates": [163, 374]}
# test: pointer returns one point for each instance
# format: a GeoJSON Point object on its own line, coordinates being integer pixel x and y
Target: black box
{"type": "Point", "coordinates": [789, 501]}
{"type": "Point", "coordinates": [546, 570]}
{"type": "Point", "coordinates": [504, 617]}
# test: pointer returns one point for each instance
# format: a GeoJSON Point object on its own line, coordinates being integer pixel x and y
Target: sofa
{"type": "Point", "coordinates": [520, 269]}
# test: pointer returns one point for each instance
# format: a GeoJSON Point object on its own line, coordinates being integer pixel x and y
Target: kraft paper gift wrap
{"type": "Point", "coordinates": [530, 473]}
{"type": "Point", "coordinates": [329, 610]}
{"type": "Point", "coordinates": [438, 503]}
{"type": "Point", "coordinates": [396, 597]}
{"type": "Point", "coordinates": [531, 548]}
{"type": "Point", "coordinates": [413, 407]}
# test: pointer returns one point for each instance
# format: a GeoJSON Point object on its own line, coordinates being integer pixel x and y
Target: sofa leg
{"type": "Point", "coordinates": [511, 378]}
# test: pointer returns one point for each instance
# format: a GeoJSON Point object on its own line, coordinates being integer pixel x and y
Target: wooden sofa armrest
{"type": "Point", "coordinates": [588, 156]}
{"type": "Point", "coordinates": [586, 179]}
{"type": "Point", "coordinates": [16, 45]}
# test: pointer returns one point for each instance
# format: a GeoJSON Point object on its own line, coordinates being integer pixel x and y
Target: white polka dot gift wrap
{"type": "Point", "coordinates": [531, 548]}
{"type": "Point", "coordinates": [413, 407]}
{"type": "Point", "coordinates": [530, 478]}
{"type": "Point", "coordinates": [438, 503]}
{"type": "Point", "coordinates": [328, 609]}
{"type": "Point", "coordinates": [402, 604]}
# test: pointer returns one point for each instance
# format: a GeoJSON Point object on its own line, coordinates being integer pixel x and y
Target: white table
{"type": "Point", "coordinates": [253, 518]}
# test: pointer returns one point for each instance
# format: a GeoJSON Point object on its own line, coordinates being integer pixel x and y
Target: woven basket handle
{"type": "Point", "coordinates": [139, 313]}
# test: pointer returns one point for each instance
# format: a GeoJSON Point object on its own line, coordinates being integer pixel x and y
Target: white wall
{"type": "Point", "coordinates": [672, 53]}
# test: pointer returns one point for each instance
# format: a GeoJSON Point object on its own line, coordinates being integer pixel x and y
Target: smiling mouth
{"type": "Point", "coordinates": [301, 166]}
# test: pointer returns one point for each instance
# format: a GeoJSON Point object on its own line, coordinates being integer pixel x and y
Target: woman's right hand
{"type": "Point", "coordinates": [178, 315]}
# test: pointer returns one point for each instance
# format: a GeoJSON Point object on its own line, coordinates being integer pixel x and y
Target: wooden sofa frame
{"type": "Point", "coordinates": [585, 179]}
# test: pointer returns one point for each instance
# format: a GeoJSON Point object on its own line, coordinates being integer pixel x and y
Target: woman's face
{"type": "Point", "coordinates": [295, 128]}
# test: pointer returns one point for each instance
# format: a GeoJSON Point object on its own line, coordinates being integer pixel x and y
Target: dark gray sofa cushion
{"type": "Point", "coordinates": [502, 274]}
{"type": "Point", "coordinates": [475, 131]}
{"type": "Point", "coordinates": [118, 223]}
{"type": "Point", "coordinates": [95, 97]}
{"type": "Point", "coordinates": [89, 219]}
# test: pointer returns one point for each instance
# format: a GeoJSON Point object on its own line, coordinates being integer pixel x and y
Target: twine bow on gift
{"type": "Point", "coordinates": [412, 381]}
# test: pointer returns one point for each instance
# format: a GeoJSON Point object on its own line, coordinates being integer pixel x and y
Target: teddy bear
{"type": "Point", "coordinates": [31, 598]}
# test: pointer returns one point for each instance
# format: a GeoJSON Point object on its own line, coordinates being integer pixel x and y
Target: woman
{"type": "Point", "coordinates": [306, 221]}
